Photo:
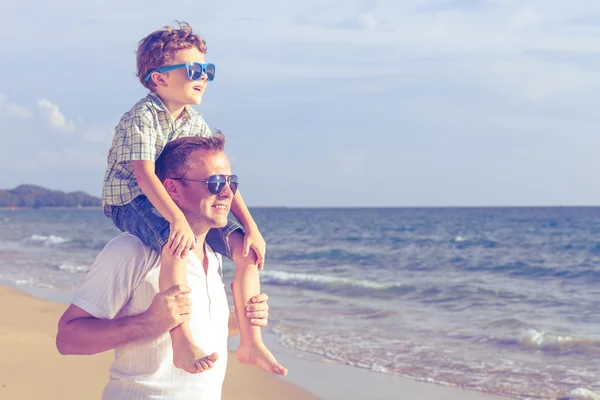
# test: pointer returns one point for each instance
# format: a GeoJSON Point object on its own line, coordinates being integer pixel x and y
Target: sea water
{"type": "Point", "coordinates": [500, 300]}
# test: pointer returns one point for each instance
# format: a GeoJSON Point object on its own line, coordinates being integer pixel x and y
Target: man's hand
{"type": "Point", "coordinates": [169, 309]}
{"type": "Point", "coordinates": [254, 240]}
{"type": "Point", "coordinates": [258, 311]}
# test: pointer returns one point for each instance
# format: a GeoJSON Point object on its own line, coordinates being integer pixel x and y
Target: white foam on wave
{"type": "Point", "coordinates": [541, 338]}
{"type": "Point", "coordinates": [282, 277]}
{"type": "Point", "coordinates": [48, 240]}
{"type": "Point", "coordinates": [74, 268]}
{"type": "Point", "coordinates": [460, 239]}
{"type": "Point", "coordinates": [583, 394]}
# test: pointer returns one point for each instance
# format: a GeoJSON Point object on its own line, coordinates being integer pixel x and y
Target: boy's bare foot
{"type": "Point", "coordinates": [260, 357]}
{"type": "Point", "coordinates": [191, 359]}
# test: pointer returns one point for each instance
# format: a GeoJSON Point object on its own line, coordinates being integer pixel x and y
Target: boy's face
{"type": "Point", "coordinates": [178, 89]}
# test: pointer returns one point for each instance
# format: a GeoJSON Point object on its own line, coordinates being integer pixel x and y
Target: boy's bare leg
{"type": "Point", "coordinates": [245, 285]}
{"type": "Point", "coordinates": [186, 355]}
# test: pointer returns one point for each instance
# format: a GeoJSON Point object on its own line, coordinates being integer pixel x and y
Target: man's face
{"type": "Point", "coordinates": [195, 201]}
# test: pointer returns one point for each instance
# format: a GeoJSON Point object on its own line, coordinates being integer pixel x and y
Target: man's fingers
{"type": "Point", "coordinates": [177, 290]}
{"type": "Point", "coordinates": [183, 301]}
{"type": "Point", "coordinates": [185, 310]}
{"type": "Point", "coordinates": [257, 307]}
{"type": "Point", "coordinates": [185, 318]}
{"type": "Point", "coordinates": [259, 322]}
{"type": "Point", "coordinates": [260, 298]}
{"type": "Point", "coordinates": [256, 314]}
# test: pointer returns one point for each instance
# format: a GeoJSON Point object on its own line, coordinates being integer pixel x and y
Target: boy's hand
{"type": "Point", "coordinates": [254, 240]}
{"type": "Point", "coordinates": [181, 239]}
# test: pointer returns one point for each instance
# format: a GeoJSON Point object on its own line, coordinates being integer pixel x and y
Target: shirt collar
{"type": "Point", "coordinates": [159, 105]}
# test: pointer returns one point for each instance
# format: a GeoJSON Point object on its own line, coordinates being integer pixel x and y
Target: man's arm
{"type": "Point", "coordinates": [258, 312]}
{"type": "Point", "coordinates": [79, 332]}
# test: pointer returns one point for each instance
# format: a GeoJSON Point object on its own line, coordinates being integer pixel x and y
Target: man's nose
{"type": "Point", "coordinates": [226, 193]}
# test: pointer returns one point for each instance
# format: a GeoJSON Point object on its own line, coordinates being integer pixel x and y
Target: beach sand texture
{"type": "Point", "coordinates": [31, 368]}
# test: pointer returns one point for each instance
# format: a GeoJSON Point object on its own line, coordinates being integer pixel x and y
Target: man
{"type": "Point", "coordinates": [120, 307]}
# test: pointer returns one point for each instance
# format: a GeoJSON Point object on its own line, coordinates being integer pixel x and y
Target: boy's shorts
{"type": "Point", "coordinates": [140, 218]}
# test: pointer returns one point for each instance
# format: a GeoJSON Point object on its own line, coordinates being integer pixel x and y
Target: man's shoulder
{"type": "Point", "coordinates": [129, 246]}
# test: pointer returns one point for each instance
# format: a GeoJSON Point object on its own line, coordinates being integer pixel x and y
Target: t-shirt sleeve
{"type": "Point", "coordinates": [137, 139]}
{"type": "Point", "coordinates": [117, 272]}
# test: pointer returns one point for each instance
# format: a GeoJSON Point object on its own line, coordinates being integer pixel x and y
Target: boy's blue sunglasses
{"type": "Point", "coordinates": [194, 70]}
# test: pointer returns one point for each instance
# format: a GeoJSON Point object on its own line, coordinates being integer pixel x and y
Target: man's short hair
{"type": "Point", "coordinates": [158, 49]}
{"type": "Point", "coordinates": [175, 159]}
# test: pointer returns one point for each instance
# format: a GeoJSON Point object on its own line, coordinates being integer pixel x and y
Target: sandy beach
{"type": "Point", "coordinates": [32, 368]}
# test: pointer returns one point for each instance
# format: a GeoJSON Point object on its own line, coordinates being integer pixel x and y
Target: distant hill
{"type": "Point", "coordinates": [37, 196]}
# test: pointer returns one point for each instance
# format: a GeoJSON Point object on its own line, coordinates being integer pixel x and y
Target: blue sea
{"type": "Point", "coordinates": [498, 300]}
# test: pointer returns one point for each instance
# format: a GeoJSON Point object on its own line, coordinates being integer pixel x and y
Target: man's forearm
{"type": "Point", "coordinates": [91, 335]}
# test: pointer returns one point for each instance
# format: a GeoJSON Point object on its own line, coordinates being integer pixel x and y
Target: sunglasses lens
{"type": "Point", "coordinates": [194, 71]}
{"type": "Point", "coordinates": [216, 184]}
{"type": "Point", "coordinates": [233, 183]}
{"type": "Point", "coordinates": [210, 71]}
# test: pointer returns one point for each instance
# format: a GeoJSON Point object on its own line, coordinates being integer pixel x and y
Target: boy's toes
{"type": "Point", "coordinates": [202, 366]}
{"type": "Point", "coordinates": [280, 370]}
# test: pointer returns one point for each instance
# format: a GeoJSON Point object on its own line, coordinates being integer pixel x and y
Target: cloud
{"type": "Point", "coordinates": [364, 21]}
{"type": "Point", "coordinates": [14, 109]}
{"type": "Point", "coordinates": [54, 117]}
{"type": "Point", "coordinates": [452, 5]}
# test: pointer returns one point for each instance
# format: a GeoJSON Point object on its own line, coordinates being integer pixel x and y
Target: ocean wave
{"type": "Point", "coordinates": [550, 343]}
{"type": "Point", "coordinates": [427, 362]}
{"type": "Point", "coordinates": [50, 240]}
{"type": "Point", "coordinates": [560, 344]}
{"type": "Point", "coordinates": [73, 268]}
{"type": "Point", "coordinates": [68, 243]}
{"type": "Point", "coordinates": [331, 256]}
{"type": "Point", "coordinates": [581, 394]}
{"type": "Point", "coordinates": [338, 285]}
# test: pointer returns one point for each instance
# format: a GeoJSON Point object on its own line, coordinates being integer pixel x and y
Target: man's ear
{"type": "Point", "coordinates": [172, 187]}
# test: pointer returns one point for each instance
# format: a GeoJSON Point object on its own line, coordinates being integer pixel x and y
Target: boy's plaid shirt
{"type": "Point", "coordinates": [142, 134]}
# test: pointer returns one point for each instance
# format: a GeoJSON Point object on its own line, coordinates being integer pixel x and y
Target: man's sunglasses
{"type": "Point", "coordinates": [216, 183]}
{"type": "Point", "coordinates": [194, 70]}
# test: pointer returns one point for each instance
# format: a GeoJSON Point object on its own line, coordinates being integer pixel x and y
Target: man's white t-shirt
{"type": "Point", "coordinates": [123, 282]}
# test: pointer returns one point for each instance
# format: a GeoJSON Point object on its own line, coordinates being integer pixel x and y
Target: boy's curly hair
{"type": "Point", "coordinates": [158, 48]}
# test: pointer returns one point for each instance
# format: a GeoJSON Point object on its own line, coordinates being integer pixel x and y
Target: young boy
{"type": "Point", "coordinates": [170, 63]}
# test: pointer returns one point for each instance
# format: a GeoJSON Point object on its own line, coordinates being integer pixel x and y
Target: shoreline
{"type": "Point", "coordinates": [28, 319]}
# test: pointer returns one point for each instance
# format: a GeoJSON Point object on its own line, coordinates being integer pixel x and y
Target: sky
{"type": "Point", "coordinates": [336, 103]}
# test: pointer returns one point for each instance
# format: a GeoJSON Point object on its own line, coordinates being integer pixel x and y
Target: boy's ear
{"type": "Point", "coordinates": [158, 79]}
